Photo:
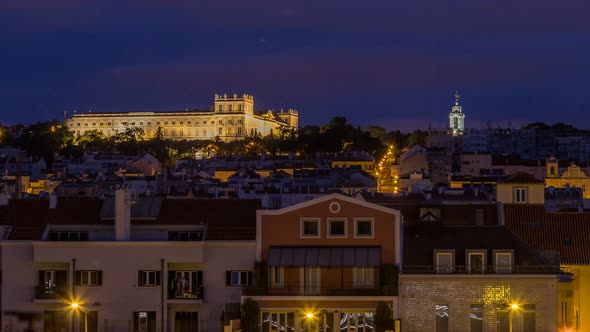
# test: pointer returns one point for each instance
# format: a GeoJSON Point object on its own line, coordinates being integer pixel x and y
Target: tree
{"type": "Point", "coordinates": [250, 315]}
{"type": "Point", "coordinates": [383, 317]}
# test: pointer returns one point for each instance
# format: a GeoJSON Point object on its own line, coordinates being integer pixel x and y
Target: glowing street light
{"type": "Point", "coordinates": [76, 306]}
{"type": "Point", "coordinates": [309, 315]}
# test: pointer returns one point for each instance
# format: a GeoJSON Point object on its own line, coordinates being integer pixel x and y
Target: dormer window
{"type": "Point", "coordinates": [476, 261]}
{"type": "Point", "coordinates": [503, 261]}
{"type": "Point", "coordinates": [445, 261]}
{"type": "Point", "coordinates": [520, 195]}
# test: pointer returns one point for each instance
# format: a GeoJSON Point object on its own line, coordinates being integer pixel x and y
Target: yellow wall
{"type": "Point", "coordinates": [581, 297]}
{"type": "Point", "coordinates": [574, 177]}
{"type": "Point", "coordinates": [535, 193]}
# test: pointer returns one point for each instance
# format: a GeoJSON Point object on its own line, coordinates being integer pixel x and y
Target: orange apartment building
{"type": "Point", "coordinates": [325, 264]}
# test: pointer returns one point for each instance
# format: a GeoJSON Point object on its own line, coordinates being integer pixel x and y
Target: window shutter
{"type": "Point", "coordinates": [99, 278]}
{"type": "Point", "coordinates": [157, 277]}
{"type": "Point", "coordinates": [41, 278]}
{"type": "Point", "coordinates": [61, 278]}
{"type": "Point", "coordinates": [199, 278]}
{"type": "Point", "coordinates": [228, 278]}
{"type": "Point", "coordinates": [78, 280]}
{"type": "Point", "coordinates": [140, 280]}
{"type": "Point", "coordinates": [249, 279]}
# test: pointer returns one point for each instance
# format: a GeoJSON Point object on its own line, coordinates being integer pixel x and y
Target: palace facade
{"type": "Point", "coordinates": [230, 118]}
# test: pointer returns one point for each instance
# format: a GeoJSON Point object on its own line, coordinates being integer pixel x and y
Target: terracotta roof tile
{"type": "Point", "coordinates": [521, 177]}
{"type": "Point", "coordinates": [565, 232]}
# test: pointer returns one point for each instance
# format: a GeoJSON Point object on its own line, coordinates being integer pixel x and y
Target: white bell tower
{"type": "Point", "coordinates": [457, 118]}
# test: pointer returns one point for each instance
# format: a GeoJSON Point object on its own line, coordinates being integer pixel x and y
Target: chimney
{"type": "Point", "coordinates": [52, 200]}
{"type": "Point", "coordinates": [124, 198]}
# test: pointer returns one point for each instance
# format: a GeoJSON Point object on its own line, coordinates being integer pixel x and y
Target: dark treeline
{"type": "Point", "coordinates": [50, 139]}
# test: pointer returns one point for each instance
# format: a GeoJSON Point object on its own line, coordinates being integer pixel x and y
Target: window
{"type": "Point", "coordinates": [363, 227]}
{"type": "Point", "coordinates": [476, 318]}
{"type": "Point", "coordinates": [220, 108]}
{"type": "Point", "coordinates": [445, 261]}
{"type": "Point", "coordinates": [173, 122]}
{"type": "Point", "coordinates": [476, 261]}
{"type": "Point", "coordinates": [181, 122]}
{"type": "Point", "coordinates": [185, 284]}
{"type": "Point", "coordinates": [229, 107]}
{"type": "Point", "coordinates": [220, 132]}
{"type": "Point", "coordinates": [277, 275]}
{"type": "Point", "coordinates": [502, 319]}
{"type": "Point", "coordinates": [144, 321]}
{"type": "Point", "coordinates": [239, 130]}
{"type": "Point", "coordinates": [336, 227]}
{"type": "Point", "coordinates": [67, 236]}
{"type": "Point", "coordinates": [363, 277]}
{"type": "Point", "coordinates": [528, 318]}
{"type": "Point", "coordinates": [185, 236]}
{"type": "Point", "coordinates": [310, 228]}
{"type": "Point", "coordinates": [442, 317]}
{"type": "Point", "coordinates": [503, 262]}
{"type": "Point", "coordinates": [238, 278]}
{"type": "Point", "coordinates": [148, 278]}
{"type": "Point", "coordinates": [88, 278]}
{"type": "Point", "coordinates": [520, 195]}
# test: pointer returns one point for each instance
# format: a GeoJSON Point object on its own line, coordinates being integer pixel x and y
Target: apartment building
{"type": "Point", "coordinates": [131, 264]}
{"type": "Point", "coordinates": [327, 263]}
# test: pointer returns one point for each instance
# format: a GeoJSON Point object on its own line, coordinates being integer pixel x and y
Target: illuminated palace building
{"type": "Point", "coordinates": [230, 118]}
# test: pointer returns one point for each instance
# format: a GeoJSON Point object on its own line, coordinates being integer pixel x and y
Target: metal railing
{"type": "Point", "coordinates": [187, 293]}
{"type": "Point", "coordinates": [481, 269]}
{"type": "Point", "coordinates": [44, 292]}
{"type": "Point", "coordinates": [323, 290]}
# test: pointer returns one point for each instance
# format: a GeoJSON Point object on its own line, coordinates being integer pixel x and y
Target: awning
{"type": "Point", "coordinates": [324, 256]}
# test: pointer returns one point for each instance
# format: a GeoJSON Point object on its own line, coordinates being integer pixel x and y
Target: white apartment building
{"type": "Point", "coordinates": [131, 265]}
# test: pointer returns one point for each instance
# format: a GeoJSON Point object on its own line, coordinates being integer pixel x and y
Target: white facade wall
{"type": "Point", "coordinates": [119, 296]}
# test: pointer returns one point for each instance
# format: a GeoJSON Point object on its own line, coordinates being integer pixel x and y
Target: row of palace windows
{"type": "Point", "coordinates": [180, 123]}
{"type": "Point", "coordinates": [337, 227]}
{"type": "Point", "coordinates": [475, 259]}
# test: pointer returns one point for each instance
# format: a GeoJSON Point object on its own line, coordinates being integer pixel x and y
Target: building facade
{"type": "Point", "coordinates": [328, 263]}
{"type": "Point", "coordinates": [156, 265]}
{"type": "Point", "coordinates": [230, 118]}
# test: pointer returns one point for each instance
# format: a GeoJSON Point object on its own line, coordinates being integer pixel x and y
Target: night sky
{"type": "Point", "coordinates": [391, 63]}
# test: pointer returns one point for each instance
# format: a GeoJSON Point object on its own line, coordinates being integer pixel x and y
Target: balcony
{"type": "Point", "coordinates": [43, 292]}
{"type": "Point", "coordinates": [487, 269]}
{"type": "Point", "coordinates": [324, 290]}
{"type": "Point", "coordinates": [187, 293]}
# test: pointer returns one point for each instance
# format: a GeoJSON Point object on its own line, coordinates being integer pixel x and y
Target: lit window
{"type": "Point", "coordinates": [310, 228]}
{"type": "Point", "coordinates": [363, 227]}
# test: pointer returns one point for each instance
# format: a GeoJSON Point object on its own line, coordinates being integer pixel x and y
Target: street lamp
{"type": "Point", "coordinates": [76, 306]}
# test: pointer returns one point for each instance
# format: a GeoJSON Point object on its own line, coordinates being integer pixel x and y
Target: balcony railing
{"type": "Point", "coordinates": [187, 293]}
{"type": "Point", "coordinates": [324, 290]}
{"type": "Point", "coordinates": [43, 292]}
{"type": "Point", "coordinates": [485, 269]}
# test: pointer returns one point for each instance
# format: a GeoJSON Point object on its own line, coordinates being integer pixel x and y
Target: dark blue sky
{"type": "Point", "coordinates": [390, 63]}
